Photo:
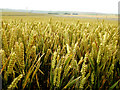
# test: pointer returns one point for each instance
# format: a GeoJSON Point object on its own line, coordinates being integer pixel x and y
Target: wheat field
{"type": "Point", "coordinates": [59, 53]}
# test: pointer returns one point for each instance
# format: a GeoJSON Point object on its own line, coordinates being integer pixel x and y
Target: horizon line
{"type": "Point", "coordinates": [61, 11]}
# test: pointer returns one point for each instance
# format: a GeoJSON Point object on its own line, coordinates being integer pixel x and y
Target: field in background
{"type": "Point", "coordinates": [45, 17]}
{"type": "Point", "coordinates": [108, 17]}
{"type": "Point", "coordinates": [43, 51]}
{"type": "Point", "coordinates": [89, 16]}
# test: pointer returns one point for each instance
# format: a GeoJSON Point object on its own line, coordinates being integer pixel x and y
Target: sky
{"type": "Point", "coordinates": [100, 6]}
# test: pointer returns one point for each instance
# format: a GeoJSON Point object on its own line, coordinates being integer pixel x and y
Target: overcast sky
{"type": "Point", "coordinates": [103, 6]}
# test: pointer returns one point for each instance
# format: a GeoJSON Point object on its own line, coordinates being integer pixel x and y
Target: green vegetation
{"type": "Point", "coordinates": [57, 53]}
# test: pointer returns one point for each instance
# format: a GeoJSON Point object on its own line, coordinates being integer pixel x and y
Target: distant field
{"type": "Point", "coordinates": [21, 14]}
{"type": "Point", "coordinates": [96, 16]}
{"type": "Point", "coordinates": [70, 18]}
{"type": "Point", "coordinates": [107, 17]}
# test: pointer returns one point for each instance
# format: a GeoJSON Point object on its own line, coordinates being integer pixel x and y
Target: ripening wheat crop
{"type": "Point", "coordinates": [59, 53]}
